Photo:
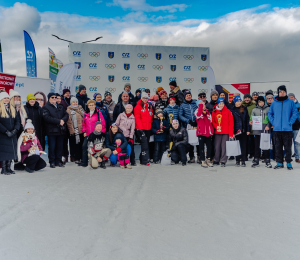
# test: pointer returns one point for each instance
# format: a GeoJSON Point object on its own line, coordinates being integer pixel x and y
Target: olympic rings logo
{"type": "Point", "coordinates": [203, 68]}
{"type": "Point", "coordinates": [142, 79]}
{"type": "Point", "coordinates": [94, 78]}
{"type": "Point", "coordinates": [188, 57]}
{"type": "Point", "coordinates": [94, 54]}
{"type": "Point", "coordinates": [142, 55]}
{"type": "Point", "coordinates": [110, 66]}
{"type": "Point", "coordinates": [202, 90]}
{"type": "Point", "coordinates": [157, 67]}
{"type": "Point", "coordinates": [111, 90]}
{"type": "Point", "coordinates": [189, 80]}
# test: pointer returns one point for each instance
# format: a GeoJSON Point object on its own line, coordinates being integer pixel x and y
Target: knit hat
{"type": "Point", "coordinates": [160, 89]}
{"type": "Point", "coordinates": [28, 124]}
{"type": "Point", "coordinates": [260, 98]}
{"type": "Point", "coordinates": [66, 90]}
{"type": "Point", "coordinates": [269, 92]}
{"type": "Point", "coordinates": [147, 90]}
{"type": "Point", "coordinates": [270, 96]}
{"type": "Point", "coordinates": [13, 93]}
{"type": "Point", "coordinates": [154, 97]}
{"type": "Point", "coordinates": [127, 85]}
{"type": "Point", "coordinates": [171, 98]}
{"type": "Point", "coordinates": [187, 92]}
{"type": "Point", "coordinates": [3, 95]}
{"type": "Point", "coordinates": [281, 88]}
{"type": "Point", "coordinates": [107, 93]}
{"type": "Point", "coordinates": [158, 111]}
{"type": "Point", "coordinates": [247, 95]}
{"type": "Point", "coordinates": [254, 93]}
{"type": "Point", "coordinates": [138, 90]}
{"type": "Point", "coordinates": [144, 94]}
{"type": "Point", "coordinates": [80, 88]}
{"type": "Point", "coordinates": [162, 92]}
{"type": "Point", "coordinates": [236, 99]}
{"type": "Point", "coordinates": [128, 106]}
{"type": "Point", "coordinates": [214, 92]}
{"type": "Point", "coordinates": [51, 94]}
{"type": "Point", "coordinates": [98, 123]}
{"type": "Point", "coordinates": [96, 94]}
{"type": "Point", "coordinates": [291, 95]}
{"type": "Point", "coordinates": [73, 99]}
{"type": "Point", "coordinates": [173, 83]}
{"type": "Point", "coordinates": [171, 94]}
{"type": "Point", "coordinates": [202, 94]}
{"type": "Point", "coordinates": [175, 121]}
{"type": "Point", "coordinates": [30, 96]}
{"type": "Point", "coordinates": [220, 100]}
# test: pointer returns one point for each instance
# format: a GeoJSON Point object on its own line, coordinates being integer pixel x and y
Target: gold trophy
{"type": "Point", "coordinates": [219, 117]}
{"type": "Point", "coordinates": [171, 119]}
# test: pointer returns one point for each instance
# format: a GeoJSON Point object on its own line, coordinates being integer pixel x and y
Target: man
{"type": "Point", "coordinates": [82, 96]}
{"type": "Point", "coordinates": [55, 118]}
{"type": "Point", "coordinates": [177, 94]}
{"type": "Point", "coordinates": [254, 96]}
{"type": "Point", "coordinates": [270, 99]}
{"type": "Point", "coordinates": [120, 107]}
{"type": "Point", "coordinates": [269, 92]}
{"type": "Point", "coordinates": [214, 95]}
{"type": "Point", "coordinates": [127, 89]}
{"type": "Point", "coordinates": [148, 92]}
{"type": "Point", "coordinates": [162, 103]}
{"type": "Point", "coordinates": [202, 96]}
{"type": "Point", "coordinates": [187, 116]}
{"type": "Point", "coordinates": [65, 101]}
{"type": "Point", "coordinates": [110, 104]}
{"type": "Point", "coordinates": [66, 98]}
{"type": "Point", "coordinates": [137, 97]}
{"type": "Point", "coordinates": [296, 127]}
{"type": "Point", "coordinates": [282, 115]}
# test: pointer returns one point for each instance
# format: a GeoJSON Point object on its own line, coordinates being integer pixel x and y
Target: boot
{"type": "Point", "coordinates": [192, 160]}
{"type": "Point", "coordinates": [278, 166]}
{"type": "Point", "coordinates": [208, 162]}
{"type": "Point", "coordinates": [198, 159]}
{"type": "Point", "coordinates": [289, 166]}
{"type": "Point", "coordinates": [28, 170]}
{"type": "Point", "coordinates": [128, 166]}
{"type": "Point", "coordinates": [255, 162]}
{"type": "Point", "coordinates": [243, 164]}
{"type": "Point", "coordinates": [237, 164]}
{"type": "Point", "coordinates": [4, 168]}
{"type": "Point", "coordinates": [204, 165]}
{"type": "Point", "coordinates": [268, 164]}
{"type": "Point", "coordinates": [8, 167]}
{"type": "Point", "coordinates": [102, 164]}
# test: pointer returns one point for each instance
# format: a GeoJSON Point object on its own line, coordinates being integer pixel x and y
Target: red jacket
{"type": "Point", "coordinates": [143, 116]}
{"type": "Point", "coordinates": [204, 125]}
{"type": "Point", "coordinates": [223, 121]}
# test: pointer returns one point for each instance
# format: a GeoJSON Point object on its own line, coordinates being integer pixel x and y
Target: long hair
{"type": "Point", "coordinates": [3, 112]}
{"type": "Point", "coordinates": [12, 103]}
{"type": "Point", "coordinates": [111, 134]}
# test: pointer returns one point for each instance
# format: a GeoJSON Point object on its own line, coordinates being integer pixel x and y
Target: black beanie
{"type": "Point", "coordinates": [261, 98]}
{"type": "Point", "coordinates": [186, 93]}
{"type": "Point", "coordinates": [173, 83]}
{"type": "Point", "coordinates": [247, 95]}
{"type": "Point", "coordinates": [51, 94]}
{"type": "Point", "coordinates": [81, 87]}
{"type": "Point", "coordinates": [269, 92]}
{"type": "Point", "coordinates": [280, 88]}
{"type": "Point", "coordinates": [138, 90]}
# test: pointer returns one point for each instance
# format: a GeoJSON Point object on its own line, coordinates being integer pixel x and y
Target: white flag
{"type": "Point", "coordinates": [211, 79]}
{"type": "Point", "coordinates": [66, 78]}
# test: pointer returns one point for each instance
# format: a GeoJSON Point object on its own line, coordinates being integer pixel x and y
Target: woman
{"type": "Point", "coordinates": [10, 124]}
{"type": "Point", "coordinates": [178, 140]}
{"type": "Point", "coordinates": [74, 124]}
{"type": "Point", "coordinates": [103, 109]}
{"type": "Point", "coordinates": [91, 116]}
{"type": "Point", "coordinates": [110, 104]}
{"type": "Point", "coordinates": [143, 113]}
{"type": "Point", "coordinates": [40, 98]}
{"type": "Point", "coordinates": [126, 122]}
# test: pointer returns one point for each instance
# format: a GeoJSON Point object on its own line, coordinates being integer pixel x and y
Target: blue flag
{"type": "Point", "coordinates": [1, 64]}
{"type": "Point", "coordinates": [30, 56]}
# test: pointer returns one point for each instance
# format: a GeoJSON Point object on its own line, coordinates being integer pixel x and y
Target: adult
{"type": "Point", "coordinates": [143, 113]}
{"type": "Point", "coordinates": [148, 92]}
{"type": "Point", "coordinates": [16, 102]}
{"type": "Point", "coordinates": [158, 90]}
{"type": "Point", "coordinates": [127, 89]}
{"type": "Point", "coordinates": [214, 95]}
{"type": "Point", "coordinates": [120, 107]}
{"type": "Point", "coordinates": [282, 115]}
{"type": "Point", "coordinates": [82, 97]}
{"type": "Point", "coordinates": [270, 99]}
{"type": "Point", "coordinates": [177, 93]}
{"type": "Point", "coordinates": [58, 98]}
{"type": "Point", "coordinates": [110, 104]}
{"type": "Point", "coordinates": [10, 124]}
{"type": "Point", "coordinates": [137, 97]}
{"type": "Point", "coordinates": [254, 96]}
{"type": "Point", "coordinates": [103, 109]}
{"type": "Point", "coordinates": [66, 98]}
{"type": "Point", "coordinates": [40, 97]}
{"type": "Point", "coordinates": [269, 92]}
{"type": "Point", "coordinates": [162, 103]}
{"type": "Point", "coordinates": [55, 119]}
{"type": "Point", "coordinates": [202, 97]}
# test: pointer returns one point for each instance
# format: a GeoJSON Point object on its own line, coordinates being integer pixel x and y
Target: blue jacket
{"type": "Point", "coordinates": [282, 115]}
{"type": "Point", "coordinates": [241, 120]}
{"type": "Point", "coordinates": [112, 146]}
{"type": "Point", "coordinates": [171, 110]}
{"type": "Point", "coordinates": [156, 125]}
{"type": "Point", "coordinates": [187, 112]}
{"type": "Point", "coordinates": [103, 109]}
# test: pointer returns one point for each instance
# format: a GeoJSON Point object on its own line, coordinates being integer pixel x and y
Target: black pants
{"type": "Point", "coordinates": [250, 144]}
{"type": "Point", "coordinates": [55, 149]}
{"type": "Point", "coordinates": [191, 151]}
{"type": "Point", "coordinates": [132, 155]}
{"type": "Point", "coordinates": [178, 153]}
{"type": "Point", "coordinates": [84, 150]}
{"type": "Point", "coordinates": [159, 148]}
{"type": "Point", "coordinates": [205, 140]}
{"type": "Point", "coordinates": [283, 139]}
{"type": "Point", "coordinates": [266, 153]}
{"type": "Point", "coordinates": [76, 149]}
{"type": "Point", "coordinates": [35, 162]}
{"type": "Point", "coordinates": [212, 155]}
{"type": "Point", "coordinates": [66, 147]}
{"type": "Point", "coordinates": [243, 144]}
{"type": "Point", "coordinates": [144, 155]}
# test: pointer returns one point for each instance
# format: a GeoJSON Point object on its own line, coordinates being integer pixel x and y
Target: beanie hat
{"type": "Point", "coordinates": [96, 94]}
{"type": "Point", "coordinates": [144, 94]}
{"type": "Point", "coordinates": [175, 121]}
{"type": "Point", "coordinates": [236, 99]}
{"type": "Point", "coordinates": [129, 106]}
{"type": "Point", "coordinates": [171, 94]}
{"type": "Point", "coordinates": [202, 94]}
{"type": "Point", "coordinates": [107, 93]}
{"type": "Point", "coordinates": [160, 89]}
{"type": "Point", "coordinates": [158, 111]}
{"type": "Point", "coordinates": [127, 85]}
{"type": "Point", "coordinates": [171, 98]}
{"type": "Point", "coordinates": [214, 92]}
{"type": "Point", "coordinates": [13, 93]}
{"type": "Point", "coordinates": [3, 95]}
{"type": "Point", "coordinates": [147, 90]}
{"type": "Point", "coordinates": [247, 95]}
{"type": "Point", "coordinates": [50, 95]}
{"type": "Point", "coordinates": [186, 93]}
{"type": "Point", "coordinates": [138, 90]}
{"type": "Point", "coordinates": [173, 83]}
{"type": "Point", "coordinates": [30, 96]}
{"type": "Point", "coordinates": [73, 99]}
{"type": "Point", "coordinates": [66, 90]}
{"type": "Point", "coordinates": [291, 95]}
{"type": "Point", "coordinates": [270, 96]}
{"type": "Point", "coordinates": [220, 100]}
{"type": "Point", "coordinates": [162, 92]}
{"type": "Point", "coordinates": [28, 124]}
{"type": "Point", "coordinates": [269, 92]}
{"type": "Point", "coordinates": [154, 97]}
{"type": "Point", "coordinates": [98, 123]}
{"type": "Point", "coordinates": [80, 88]}
{"type": "Point", "coordinates": [254, 93]}
{"type": "Point", "coordinates": [57, 95]}
{"type": "Point", "coordinates": [281, 88]}
{"type": "Point", "coordinates": [260, 98]}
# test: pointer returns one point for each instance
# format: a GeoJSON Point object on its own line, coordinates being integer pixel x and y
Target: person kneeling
{"type": "Point", "coordinates": [96, 152]}
{"type": "Point", "coordinates": [30, 149]}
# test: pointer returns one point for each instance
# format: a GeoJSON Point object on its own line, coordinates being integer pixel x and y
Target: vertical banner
{"type": "Point", "coordinates": [30, 56]}
{"type": "Point", "coordinates": [66, 78]}
{"type": "Point", "coordinates": [1, 63]}
{"type": "Point", "coordinates": [53, 68]}
{"type": "Point", "coordinates": [59, 64]}
{"type": "Point", "coordinates": [7, 82]}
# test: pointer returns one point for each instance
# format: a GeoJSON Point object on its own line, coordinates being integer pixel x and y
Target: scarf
{"type": "Point", "coordinates": [75, 123]}
{"type": "Point", "coordinates": [96, 133]}
{"type": "Point", "coordinates": [282, 98]}
{"type": "Point", "coordinates": [76, 107]}
{"type": "Point", "coordinates": [6, 107]}
{"type": "Point", "coordinates": [189, 102]}
{"type": "Point", "coordinates": [128, 115]}
{"type": "Point", "coordinates": [107, 103]}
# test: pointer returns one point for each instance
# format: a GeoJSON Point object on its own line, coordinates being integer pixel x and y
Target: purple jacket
{"type": "Point", "coordinates": [24, 149]}
{"type": "Point", "coordinates": [126, 124]}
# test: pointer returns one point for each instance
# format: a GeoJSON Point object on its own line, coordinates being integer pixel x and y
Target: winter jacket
{"type": "Point", "coordinates": [178, 95]}
{"type": "Point", "coordinates": [110, 107]}
{"type": "Point", "coordinates": [250, 106]}
{"type": "Point", "coordinates": [296, 125]}
{"type": "Point", "coordinates": [136, 99]}
{"type": "Point", "coordinates": [187, 112]}
{"type": "Point", "coordinates": [283, 114]}
{"type": "Point", "coordinates": [222, 121]}
{"type": "Point", "coordinates": [52, 116]}
{"type": "Point", "coordinates": [112, 145]}
{"type": "Point", "coordinates": [204, 122]}
{"type": "Point", "coordinates": [82, 100]}
{"type": "Point", "coordinates": [161, 104]}
{"type": "Point", "coordinates": [263, 112]}
{"type": "Point", "coordinates": [131, 98]}
{"type": "Point", "coordinates": [25, 147]}
{"type": "Point", "coordinates": [103, 109]}
{"type": "Point", "coordinates": [79, 112]}
{"type": "Point", "coordinates": [143, 116]}
{"type": "Point", "coordinates": [8, 145]}
{"type": "Point", "coordinates": [35, 113]}
{"type": "Point", "coordinates": [210, 106]}
{"type": "Point", "coordinates": [171, 111]}
{"type": "Point", "coordinates": [178, 136]}
{"type": "Point", "coordinates": [95, 143]}
{"type": "Point", "coordinates": [241, 120]}
{"type": "Point", "coordinates": [119, 109]}
{"type": "Point", "coordinates": [65, 102]}
{"type": "Point", "coordinates": [88, 122]}
{"type": "Point", "coordinates": [162, 137]}
{"type": "Point", "coordinates": [126, 124]}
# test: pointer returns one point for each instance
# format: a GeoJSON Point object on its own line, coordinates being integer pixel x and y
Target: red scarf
{"type": "Point", "coordinates": [128, 115]}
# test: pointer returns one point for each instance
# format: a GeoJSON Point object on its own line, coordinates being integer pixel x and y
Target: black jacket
{"type": "Point", "coordinates": [178, 136]}
{"type": "Point", "coordinates": [178, 95]}
{"type": "Point", "coordinates": [241, 120]}
{"type": "Point", "coordinates": [161, 104]}
{"type": "Point", "coordinates": [82, 100]}
{"type": "Point", "coordinates": [210, 106]}
{"type": "Point", "coordinates": [52, 117]}
{"type": "Point", "coordinates": [112, 145]}
{"type": "Point", "coordinates": [131, 98]}
{"type": "Point", "coordinates": [119, 108]}
{"type": "Point", "coordinates": [65, 102]}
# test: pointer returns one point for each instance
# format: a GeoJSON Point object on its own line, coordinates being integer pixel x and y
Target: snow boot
{"type": "Point", "coordinates": [223, 164]}
{"type": "Point", "coordinates": [8, 167]}
{"type": "Point", "coordinates": [208, 162]}
{"type": "Point", "coordinates": [255, 162]}
{"type": "Point", "coordinates": [237, 164]}
{"type": "Point", "coordinates": [243, 164]}
{"type": "Point", "coordinates": [192, 160]}
{"type": "Point", "coordinates": [183, 164]}
{"type": "Point", "coordinates": [278, 166]}
{"type": "Point", "coordinates": [216, 163]}
{"type": "Point", "coordinates": [128, 166]}
{"type": "Point", "coordinates": [204, 165]}
{"type": "Point", "coordinates": [4, 168]}
{"type": "Point", "coordinates": [268, 164]}
{"type": "Point", "coordinates": [102, 164]}
{"type": "Point", "coordinates": [289, 166]}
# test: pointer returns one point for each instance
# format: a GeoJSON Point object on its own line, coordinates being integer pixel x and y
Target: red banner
{"type": "Point", "coordinates": [7, 82]}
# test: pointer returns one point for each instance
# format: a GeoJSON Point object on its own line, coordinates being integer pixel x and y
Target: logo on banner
{"type": "Point", "coordinates": [157, 67]}
{"type": "Point", "coordinates": [79, 64]}
{"type": "Point", "coordinates": [173, 67]}
{"type": "Point", "coordinates": [93, 65]}
{"type": "Point", "coordinates": [203, 68]}
{"type": "Point", "coordinates": [110, 66]}
{"type": "Point", "coordinates": [111, 54]}
{"type": "Point", "coordinates": [203, 80]}
{"type": "Point", "coordinates": [126, 78]}
{"type": "Point", "coordinates": [158, 56]}
{"type": "Point", "coordinates": [94, 78]}
{"type": "Point", "coordinates": [111, 78]}
{"type": "Point", "coordinates": [172, 56]}
{"type": "Point", "coordinates": [94, 54]}
{"type": "Point", "coordinates": [111, 90]}
{"type": "Point", "coordinates": [77, 53]}
{"type": "Point", "coordinates": [187, 68]}
{"type": "Point", "coordinates": [142, 55]}
{"type": "Point", "coordinates": [203, 57]}
{"type": "Point", "coordinates": [93, 89]}
{"type": "Point", "coordinates": [142, 79]}
{"type": "Point", "coordinates": [158, 79]}
{"type": "Point", "coordinates": [125, 55]}
{"type": "Point", "coordinates": [19, 85]}
{"type": "Point", "coordinates": [126, 66]}
{"type": "Point", "coordinates": [172, 79]}
{"type": "Point", "coordinates": [188, 57]}
{"type": "Point", "coordinates": [189, 80]}
{"type": "Point", "coordinates": [141, 67]}
{"type": "Point", "coordinates": [202, 90]}
{"type": "Point", "coordinates": [78, 78]}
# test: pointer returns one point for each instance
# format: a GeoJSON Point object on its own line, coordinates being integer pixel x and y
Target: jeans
{"type": "Point", "coordinates": [296, 144]}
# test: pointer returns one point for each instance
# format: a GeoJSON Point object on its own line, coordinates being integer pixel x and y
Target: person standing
{"type": "Point", "coordinates": [254, 96]}
{"type": "Point", "coordinates": [177, 93]}
{"type": "Point", "coordinates": [137, 97]}
{"type": "Point", "coordinates": [202, 97]}
{"type": "Point", "coordinates": [110, 104]}
{"type": "Point", "coordinates": [120, 107]}
{"type": "Point", "coordinates": [162, 103]}
{"type": "Point", "coordinates": [127, 89]}
{"type": "Point", "coordinates": [66, 98]}
{"type": "Point", "coordinates": [82, 97]}
{"type": "Point", "coordinates": [103, 109]}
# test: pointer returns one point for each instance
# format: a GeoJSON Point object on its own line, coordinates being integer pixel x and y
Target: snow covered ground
{"type": "Point", "coordinates": [151, 213]}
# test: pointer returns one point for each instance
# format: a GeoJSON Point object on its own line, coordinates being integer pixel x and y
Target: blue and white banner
{"type": "Point", "coordinates": [1, 63]}
{"type": "Point", "coordinates": [66, 78]}
{"type": "Point", "coordinates": [30, 56]}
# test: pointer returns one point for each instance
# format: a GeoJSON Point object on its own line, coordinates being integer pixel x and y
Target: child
{"type": "Point", "coordinates": [205, 131]}
{"type": "Point", "coordinates": [171, 112]}
{"type": "Point", "coordinates": [160, 128]}
{"type": "Point", "coordinates": [96, 151]}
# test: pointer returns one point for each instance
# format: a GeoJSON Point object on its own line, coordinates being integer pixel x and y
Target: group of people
{"type": "Point", "coordinates": [92, 131]}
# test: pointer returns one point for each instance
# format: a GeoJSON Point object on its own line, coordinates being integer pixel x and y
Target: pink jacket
{"type": "Point", "coordinates": [126, 124]}
{"type": "Point", "coordinates": [24, 149]}
{"type": "Point", "coordinates": [204, 122]}
{"type": "Point", "coordinates": [88, 122]}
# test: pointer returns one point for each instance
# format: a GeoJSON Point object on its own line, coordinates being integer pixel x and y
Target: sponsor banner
{"type": "Point", "coordinates": [7, 82]}
{"type": "Point", "coordinates": [1, 63]}
{"type": "Point", "coordinates": [30, 56]}
{"type": "Point", "coordinates": [59, 64]}
{"type": "Point", "coordinates": [107, 67]}
{"type": "Point", "coordinates": [230, 89]}
{"type": "Point", "coordinates": [66, 78]}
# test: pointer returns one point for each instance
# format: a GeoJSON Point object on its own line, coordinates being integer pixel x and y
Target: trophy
{"type": "Point", "coordinates": [219, 117]}
{"type": "Point", "coordinates": [171, 118]}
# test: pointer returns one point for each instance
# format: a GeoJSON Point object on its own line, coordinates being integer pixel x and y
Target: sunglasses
{"type": "Point", "coordinates": [202, 96]}
{"type": "Point", "coordinates": [53, 97]}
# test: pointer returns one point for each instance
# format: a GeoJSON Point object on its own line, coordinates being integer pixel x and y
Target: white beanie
{"type": "Point", "coordinates": [13, 93]}
{"type": "Point", "coordinates": [73, 99]}
{"type": "Point", "coordinates": [144, 94]}
{"type": "Point", "coordinates": [28, 124]}
{"type": "Point", "coordinates": [3, 95]}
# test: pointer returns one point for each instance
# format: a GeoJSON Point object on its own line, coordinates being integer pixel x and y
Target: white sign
{"type": "Point", "coordinates": [66, 78]}
{"type": "Point", "coordinates": [257, 123]}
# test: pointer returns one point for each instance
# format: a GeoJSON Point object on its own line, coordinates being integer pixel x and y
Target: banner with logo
{"type": "Point", "coordinates": [30, 56]}
{"type": "Point", "coordinates": [230, 89]}
{"type": "Point", "coordinates": [107, 67]}
{"type": "Point", "coordinates": [7, 82]}
{"type": "Point", "coordinates": [59, 64]}
{"type": "Point", "coordinates": [1, 63]}
{"type": "Point", "coordinates": [53, 68]}
{"type": "Point", "coordinates": [66, 78]}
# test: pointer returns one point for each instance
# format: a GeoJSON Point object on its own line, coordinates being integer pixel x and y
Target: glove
{"type": "Point", "coordinates": [118, 149]}
{"type": "Point", "coordinates": [15, 131]}
{"type": "Point", "coordinates": [9, 134]}
{"type": "Point", "coordinates": [130, 141]}
{"type": "Point", "coordinates": [158, 131]}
